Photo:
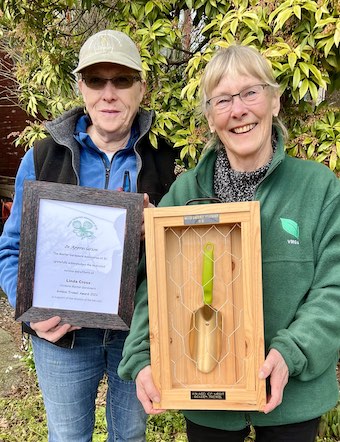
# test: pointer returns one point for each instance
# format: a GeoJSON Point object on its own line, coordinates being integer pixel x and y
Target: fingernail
{"type": "Point", "coordinates": [157, 399]}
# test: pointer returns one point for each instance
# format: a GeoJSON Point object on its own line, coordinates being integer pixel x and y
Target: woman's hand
{"type": "Point", "coordinates": [275, 367]}
{"type": "Point", "coordinates": [51, 330]}
{"type": "Point", "coordinates": [146, 205]}
{"type": "Point", "coordinates": [147, 391]}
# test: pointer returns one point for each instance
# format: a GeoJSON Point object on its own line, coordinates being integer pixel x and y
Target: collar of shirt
{"type": "Point", "coordinates": [122, 163]}
{"type": "Point", "coordinates": [85, 140]}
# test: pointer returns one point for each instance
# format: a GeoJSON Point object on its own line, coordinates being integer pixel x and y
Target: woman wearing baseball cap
{"type": "Point", "coordinates": [105, 146]}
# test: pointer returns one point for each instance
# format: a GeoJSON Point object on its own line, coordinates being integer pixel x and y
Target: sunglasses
{"type": "Point", "coordinates": [120, 82]}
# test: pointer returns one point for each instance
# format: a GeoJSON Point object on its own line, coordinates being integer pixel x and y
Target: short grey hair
{"type": "Point", "coordinates": [235, 61]}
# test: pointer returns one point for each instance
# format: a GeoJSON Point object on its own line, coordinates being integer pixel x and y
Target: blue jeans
{"type": "Point", "coordinates": [69, 380]}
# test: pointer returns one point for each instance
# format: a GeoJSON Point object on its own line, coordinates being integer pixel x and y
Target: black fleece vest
{"type": "Point", "coordinates": [53, 163]}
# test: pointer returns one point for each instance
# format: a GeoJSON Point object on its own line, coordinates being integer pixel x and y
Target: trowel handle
{"type": "Point", "coordinates": [208, 272]}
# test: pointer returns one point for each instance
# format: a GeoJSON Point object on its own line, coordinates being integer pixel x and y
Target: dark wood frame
{"type": "Point", "coordinates": [34, 191]}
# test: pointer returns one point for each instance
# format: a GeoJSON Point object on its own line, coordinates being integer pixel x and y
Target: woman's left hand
{"type": "Point", "coordinates": [146, 204]}
{"type": "Point", "coordinates": [275, 367]}
{"type": "Point", "coordinates": [147, 392]}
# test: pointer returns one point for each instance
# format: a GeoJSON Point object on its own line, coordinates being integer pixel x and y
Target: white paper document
{"type": "Point", "coordinates": [79, 256]}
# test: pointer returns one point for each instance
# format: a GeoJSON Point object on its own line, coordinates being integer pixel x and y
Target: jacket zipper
{"type": "Point", "coordinates": [107, 177]}
{"type": "Point", "coordinates": [108, 169]}
{"type": "Point", "coordinates": [107, 173]}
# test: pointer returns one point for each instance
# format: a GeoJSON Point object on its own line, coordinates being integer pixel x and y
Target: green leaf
{"type": "Point", "coordinates": [316, 72]}
{"type": "Point", "coordinates": [307, 140]}
{"type": "Point", "coordinates": [169, 124]}
{"type": "Point", "coordinates": [251, 24]}
{"type": "Point", "coordinates": [324, 147]}
{"type": "Point", "coordinates": [297, 11]}
{"type": "Point", "coordinates": [318, 15]}
{"type": "Point", "coordinates": [320, 158]}
{"type": "Point", "coordinates": [282, 18]}
{"type": "Point", "coordinates": [153, 139]}
{"type": "Point", "coordinates": [184, 152]}
{"type": "Point", "coordinates": [149, 7]}
{"type": "Point", "coordinates": [313, 91]}
{"type": "Point", "coordinates": [311, 6]}
{"type": "Point", "coordinates": [209, 26]}
{"type": "Point", "coordinates": [290, 227]}
{"type": "Point", "coordinates": [249, 40]}
{"type": "Point", "coordinates": [331, 118]}
{"type": "Point", "coordinates": [233, 26]}
{"type": "Point", "coordinates": [304, 68]}
{"type": "Point", "coordinates": [337, 37]}
{"type": "Point", "coordinates": [332, 160]}
{"type": "Point", "coordinates": [260, 36]}
{"type": "Point", "coordinates": [310, 150]}
{"type": "Point", "coordinates": [296, 78]}
{"type": "Point", "coordinates": [190, 89]}
{"type": "Point", "coordinates": [303, 88]}
{"type": "Point", "coordinates": [180, 143]}
{"type": "Point", "coordinates": [329, 45]}
{"type": "Point", "coordinates": [192, 151]}
{"type": "Point", "coordinates": [192, 124]}
{"type": "Point", "coordinates": [311, 41]}
{"type": "Point", "coordinates": [338, 148]}
{"type": "Point", "coordinates": [292, 60]}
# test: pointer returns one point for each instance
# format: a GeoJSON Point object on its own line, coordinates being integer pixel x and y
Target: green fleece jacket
{"type": "Point", "coordinates": [301, 286]}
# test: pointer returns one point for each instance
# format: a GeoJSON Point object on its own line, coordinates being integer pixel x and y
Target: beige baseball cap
{"type": "Point", "coordinates": [109, 46]}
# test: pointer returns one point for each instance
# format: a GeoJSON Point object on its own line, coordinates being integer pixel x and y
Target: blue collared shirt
{"type": "Point", "coordinates": [118, 174]}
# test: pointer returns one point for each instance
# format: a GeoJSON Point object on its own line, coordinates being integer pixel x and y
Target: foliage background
{"type": "Point", "coordinates": [176, 40]}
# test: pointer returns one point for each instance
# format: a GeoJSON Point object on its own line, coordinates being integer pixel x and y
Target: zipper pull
{"type": "Point", "coordinates": [126, 182]}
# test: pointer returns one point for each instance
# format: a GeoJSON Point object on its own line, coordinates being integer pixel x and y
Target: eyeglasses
{"type": "Point", "coordinates": [250, 95]}
{"type": "Point", "coordinates": [121, 82]}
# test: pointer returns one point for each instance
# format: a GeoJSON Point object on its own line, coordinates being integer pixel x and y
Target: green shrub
{"type": "Point", "coordinates": [300, 38]}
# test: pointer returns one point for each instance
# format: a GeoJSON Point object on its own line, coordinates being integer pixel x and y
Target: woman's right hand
{"type": "Point", "coordinates": [147, 391]}
{"type": "Point", "coordinates": [51, 329]}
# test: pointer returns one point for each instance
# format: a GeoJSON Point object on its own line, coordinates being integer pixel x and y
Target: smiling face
{"type": "Point", "coordinates": [111, 109]}
{"type": "Point", "coordinates": [245, 130]}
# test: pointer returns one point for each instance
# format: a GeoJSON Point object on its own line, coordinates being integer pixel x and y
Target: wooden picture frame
{"type": "Point", "coordinates": [206, 321]}
{"type": "Point", "coordinates": [79, 253]}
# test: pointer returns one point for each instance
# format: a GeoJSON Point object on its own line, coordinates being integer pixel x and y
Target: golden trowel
{"type": "Point", "coordinates": [205, 336]}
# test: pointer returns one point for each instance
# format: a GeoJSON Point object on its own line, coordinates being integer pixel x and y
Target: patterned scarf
{"type": "Point", "coordinates": [233, 186]}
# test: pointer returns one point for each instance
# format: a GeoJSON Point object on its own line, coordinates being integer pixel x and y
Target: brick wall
{"type": "Point", "coordinates": [12, 119]}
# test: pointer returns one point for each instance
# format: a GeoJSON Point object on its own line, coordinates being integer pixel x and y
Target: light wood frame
{"type": "Point", "coordinates": [174, 242]}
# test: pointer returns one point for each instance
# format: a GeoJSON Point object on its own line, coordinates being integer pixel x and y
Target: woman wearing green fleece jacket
{"type": "Point", "coordinates": [301, 269]}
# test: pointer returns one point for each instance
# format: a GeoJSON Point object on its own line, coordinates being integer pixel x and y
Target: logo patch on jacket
{"type": "Point", "coordinates": [292, 228]}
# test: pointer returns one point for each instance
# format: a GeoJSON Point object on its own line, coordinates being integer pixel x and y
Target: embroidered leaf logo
{"type": "Point", "coordinates": [291, 227]}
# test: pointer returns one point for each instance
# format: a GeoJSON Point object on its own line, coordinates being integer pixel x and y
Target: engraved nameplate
{"type": "Point", "coordinates": [213, 218]}
{"type": "Point", "coordinates": [208, 395]}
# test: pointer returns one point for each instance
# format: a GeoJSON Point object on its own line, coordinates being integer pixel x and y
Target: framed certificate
{"type": "Point", "coordinates": [79, 253]}
{"type": "Point", "coordinates": [205, 305]}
